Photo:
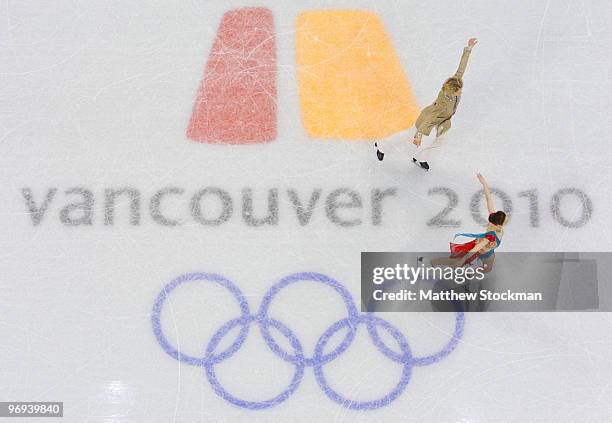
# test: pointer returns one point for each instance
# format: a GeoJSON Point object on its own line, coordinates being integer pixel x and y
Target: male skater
{"type": "Point", "coordinates": [438, 114]}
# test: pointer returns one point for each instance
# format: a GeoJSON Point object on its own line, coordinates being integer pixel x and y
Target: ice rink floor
{"type": "Point", "coordinates": [106, 203]}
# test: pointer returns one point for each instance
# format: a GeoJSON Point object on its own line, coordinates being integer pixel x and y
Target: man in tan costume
{"type": "Point", "coordinates": [438, 114]}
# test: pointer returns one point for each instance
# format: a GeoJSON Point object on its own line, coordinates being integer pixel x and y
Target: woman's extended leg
{"type": "Point", "coordinates": [447, 262]}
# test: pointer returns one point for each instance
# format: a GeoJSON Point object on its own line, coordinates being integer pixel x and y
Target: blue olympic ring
{"type": "Point", "coordinates": [296, 357]}
{"type": "Point", "coordinates": [364, 405]}
{"type": "Point", "coordinates": [429, 359]}
{"type": "Point", "coordinates": [314, 277]}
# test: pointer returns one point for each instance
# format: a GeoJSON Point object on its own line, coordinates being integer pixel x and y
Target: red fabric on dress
{"type": "Point", "coordinates": [460, 250]}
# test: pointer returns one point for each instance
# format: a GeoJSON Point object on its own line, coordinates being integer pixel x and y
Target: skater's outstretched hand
{"type": "Point", "coordinates": [417, 140]}
{"type": "Point", "coordinates": [487, 193]}
{"type": "Point", "coordinates": [481, 179]}
{"type": "Point", "coordinates": [472, 42]}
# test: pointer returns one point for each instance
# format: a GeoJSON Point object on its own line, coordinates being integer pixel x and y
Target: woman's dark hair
{"type": "Point", "coordinates": [497, 218]}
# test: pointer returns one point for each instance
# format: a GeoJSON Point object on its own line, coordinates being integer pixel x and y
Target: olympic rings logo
{"type": "Point", "coordinates": [296, 357]}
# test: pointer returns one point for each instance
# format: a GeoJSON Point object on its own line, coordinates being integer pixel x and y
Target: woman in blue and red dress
{"type": "Point", "coordinates": [482, 245]}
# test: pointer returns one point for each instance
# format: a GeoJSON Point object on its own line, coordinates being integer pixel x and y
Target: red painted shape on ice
{"type": "Point", "coordinates": [236, 101]}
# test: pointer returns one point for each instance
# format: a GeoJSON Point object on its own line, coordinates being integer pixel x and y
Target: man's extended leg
{"type": "Point", "coordinates": [379, 153]}
{"type": "Point", "coordinates": [424, 152]}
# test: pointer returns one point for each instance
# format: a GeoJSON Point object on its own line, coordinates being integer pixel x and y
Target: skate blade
{"type": "Point", "coordinates": [417, 164]}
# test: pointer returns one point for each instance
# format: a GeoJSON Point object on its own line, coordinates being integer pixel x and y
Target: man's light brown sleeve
{"type": "Point", "coordinates": [463, 63]}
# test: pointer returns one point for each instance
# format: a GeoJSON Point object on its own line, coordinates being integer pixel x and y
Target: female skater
{"type": "Point", "coordinates": [483, 245]}
{"type": "Point", "coordinates": [438, 114]}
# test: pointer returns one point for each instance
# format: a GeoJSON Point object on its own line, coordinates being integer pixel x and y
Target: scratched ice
{"type": "Point", "coordinates": [118, 177]}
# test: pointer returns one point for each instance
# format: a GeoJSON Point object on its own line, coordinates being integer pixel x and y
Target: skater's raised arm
{"type": "Point", "coordinates": [487, 193]}
{"type": "Point", "coordinates": [438, 114]}
{"type": "Point", "coordinates": [464, 58]}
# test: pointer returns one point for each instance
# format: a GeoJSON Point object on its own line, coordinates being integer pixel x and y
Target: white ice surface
{"type": "Point", "coordinates": [98, 95]}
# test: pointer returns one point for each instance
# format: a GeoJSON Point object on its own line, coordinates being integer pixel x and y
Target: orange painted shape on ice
{"type": "Point", "coordinates": [351, 83]}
